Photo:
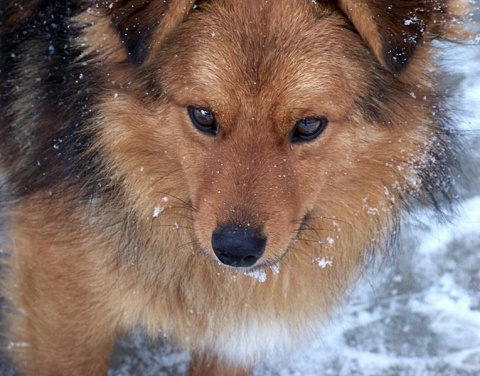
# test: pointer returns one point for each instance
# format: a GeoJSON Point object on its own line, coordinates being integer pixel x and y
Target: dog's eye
{"type": "Point", "coordinates": [203, 119]}
{"type": "Point", "coordinates": [309, 128]}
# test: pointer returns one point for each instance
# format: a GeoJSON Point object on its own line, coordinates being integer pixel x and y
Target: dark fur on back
{"type": "Point", "coordinates": [53, 139]}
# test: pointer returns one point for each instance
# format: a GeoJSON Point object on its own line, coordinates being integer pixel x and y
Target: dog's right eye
{"type": "Point", "coordinates": [203, 119]}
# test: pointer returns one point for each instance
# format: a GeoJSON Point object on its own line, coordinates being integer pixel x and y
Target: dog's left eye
{"type": "Point", "coordinates": [309, 128]}
{"type": "Point", "coordinates": [203, 119]}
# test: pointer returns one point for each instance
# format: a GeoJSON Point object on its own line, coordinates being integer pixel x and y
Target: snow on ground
{"type": "Point", "coordinates": [417, 315]}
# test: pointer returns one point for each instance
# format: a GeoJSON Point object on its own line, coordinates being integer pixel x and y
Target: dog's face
{"type": "Point", "coordinates": [274, 119]}
{"type": "Point", "coordinates": [264, 113]}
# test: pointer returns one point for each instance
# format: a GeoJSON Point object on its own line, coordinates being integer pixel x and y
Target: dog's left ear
{"type": "Point", "coordinates": [394, 29]}
{"type": "Point", "coordinates": [143, 24]}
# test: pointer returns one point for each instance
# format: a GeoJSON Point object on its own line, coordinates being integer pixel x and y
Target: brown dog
{"type": "Point", "coordinates": [215, 170]}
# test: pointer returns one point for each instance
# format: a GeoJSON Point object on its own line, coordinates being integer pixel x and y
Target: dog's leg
{"type": "Point", "coordinates": [57, 332]}
{"type": "Point", "coordinates": [204, 365]}
{"type": "Point", "coordinates": [60, 322]}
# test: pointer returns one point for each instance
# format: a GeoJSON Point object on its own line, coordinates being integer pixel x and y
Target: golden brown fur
{"type": "Point", "coordinates": [121, 236]}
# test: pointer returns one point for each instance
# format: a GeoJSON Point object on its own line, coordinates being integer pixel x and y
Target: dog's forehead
{"type": "Point", "coordinates": [245, 47]}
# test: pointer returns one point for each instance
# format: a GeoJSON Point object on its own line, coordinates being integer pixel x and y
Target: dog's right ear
{"type": "Point", "coordinates": [144, 24]}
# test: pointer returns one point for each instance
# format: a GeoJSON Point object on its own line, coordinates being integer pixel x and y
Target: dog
{"type": "Point", "coordinates": [217, 171]}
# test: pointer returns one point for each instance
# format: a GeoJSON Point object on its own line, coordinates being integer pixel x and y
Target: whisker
{"type": "Point", "coordinates": [175, 226]}
{"type": "Point", "coordinates": [187, 204]}
{"type": "Point", "coordinates": [341, 221]}
{"type": "Point", "coordinates": [308, 240]}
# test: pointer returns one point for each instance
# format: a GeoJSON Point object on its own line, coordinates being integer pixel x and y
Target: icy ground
{"type": "Point", "coordinates": [417, 315]}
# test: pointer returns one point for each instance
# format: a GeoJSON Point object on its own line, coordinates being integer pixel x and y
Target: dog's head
{"type": "Point", "coordinates": [283, 118]}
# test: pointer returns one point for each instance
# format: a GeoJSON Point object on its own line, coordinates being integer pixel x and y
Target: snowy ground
{"type": "Point", "coordinates": [417, 315]}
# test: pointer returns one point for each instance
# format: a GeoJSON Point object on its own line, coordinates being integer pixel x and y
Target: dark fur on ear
{"type": "Point", "coordinates": [394, 30]}
{"type": "Point", "coordinates": [139, 26]}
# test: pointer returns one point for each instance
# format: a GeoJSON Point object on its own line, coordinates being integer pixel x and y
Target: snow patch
{"type": "Point", "coordinates": [260, 275]}
{"type": "Point", "coordinates": [323, 262]}
{"type": "Point", "coordinates": [12, 345]}
{"type": "Point", "coordinates": [157, 211]}
{"type": "Point", "coordinates": [275, 269]}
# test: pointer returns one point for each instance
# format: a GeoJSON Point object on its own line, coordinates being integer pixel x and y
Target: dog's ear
{"type": "Point", "coordinates": [142, 24]}
{"type": "Point", "coordinates": [394, 29]}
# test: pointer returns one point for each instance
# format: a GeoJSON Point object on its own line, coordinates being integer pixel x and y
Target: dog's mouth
{"type": "Point", "coordinates": [261, 271]}
{"type": "Point", "coordinates": [262, 265]}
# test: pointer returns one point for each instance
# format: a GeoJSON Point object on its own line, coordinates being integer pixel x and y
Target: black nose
{"type": "Point", "coordinates": [239, 247]}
